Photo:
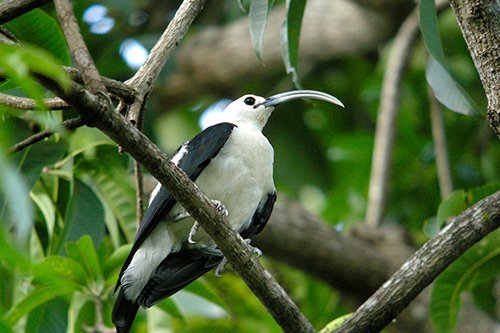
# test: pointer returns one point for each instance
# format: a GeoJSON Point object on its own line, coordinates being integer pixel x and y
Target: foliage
{"type": "Point", "coordinates": [68, 202]}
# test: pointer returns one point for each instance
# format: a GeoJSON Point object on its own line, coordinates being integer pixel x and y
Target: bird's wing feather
{"type": "Point", "coordinates": [175, 272]}
{"type": "Point", "coordinates": [195, 156]}
{"type": "Point", "coordinates": [261, 216]}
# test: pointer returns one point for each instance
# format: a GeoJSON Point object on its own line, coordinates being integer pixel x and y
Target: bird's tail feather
{"type": "Point", "coordinates": [124, 312]}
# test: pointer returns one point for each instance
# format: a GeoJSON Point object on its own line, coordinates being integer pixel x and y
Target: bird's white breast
{"type": "Point", "coordinates": [240, 176]}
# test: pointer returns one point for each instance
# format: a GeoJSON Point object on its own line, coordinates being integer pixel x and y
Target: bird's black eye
{"type": "Point", "coordinates": [249, 101]}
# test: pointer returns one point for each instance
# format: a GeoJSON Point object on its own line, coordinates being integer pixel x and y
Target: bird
{"type": "Point", "coordinates": [232, 163]}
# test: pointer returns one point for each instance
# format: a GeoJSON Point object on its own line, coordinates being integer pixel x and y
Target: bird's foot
{"type": "Point", "coordinates": [192, 232]}
{"type": "Point", "coordinates": [220, 207]}
{"type": "Point", "coordinates": [180, 217]}
{"type": "Point", "coordinates": [194, 229]}
{"type": "Point", "coordinates": [222, 265]}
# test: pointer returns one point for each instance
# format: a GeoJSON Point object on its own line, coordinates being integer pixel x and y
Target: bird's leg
{"type": "Point", "coordinates": [194, 229]}
{"type": "Point", "coordinates": [222, 265]}
{"type": "Point", "coordinates": [181, 216]}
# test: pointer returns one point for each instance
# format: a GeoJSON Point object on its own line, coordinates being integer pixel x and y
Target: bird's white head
{"type": "Point", "coordinates": [251, 110]}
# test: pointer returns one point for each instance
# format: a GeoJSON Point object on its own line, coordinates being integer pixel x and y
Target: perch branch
{"type": "Point", "coordinates": [425, 265]}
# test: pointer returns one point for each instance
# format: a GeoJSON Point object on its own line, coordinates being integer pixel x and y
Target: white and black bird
{"type": "Point", "coordinates": [232, 163]}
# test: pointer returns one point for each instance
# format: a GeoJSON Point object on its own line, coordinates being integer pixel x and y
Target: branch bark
{"type": "Point", "coordinates": [479, 21]}
{"type": "Point", "coordinates": [425, 265]}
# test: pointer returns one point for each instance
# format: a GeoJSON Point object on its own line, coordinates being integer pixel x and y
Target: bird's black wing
{"type": "Point", "coordinates": [261, 216]}
{"type": "Point", "coordinates": [197, 154]}
{"type": "Point", "coordinates": [175, 272]}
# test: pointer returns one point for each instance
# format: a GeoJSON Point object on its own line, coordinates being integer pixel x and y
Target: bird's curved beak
{"type": "Point", "coordinates": [296, 94]}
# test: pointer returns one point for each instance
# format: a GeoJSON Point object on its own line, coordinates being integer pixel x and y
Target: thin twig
{"type": "Point", "coordinates": [147, 75]}
{"type": "Point", "coordinates": [10, 9]}
{"type": "Point", "coordinates": [69, 124]}
{"type": "Point", "coordinates": [139, 191]}
{"type": "Point", "coordinates": [78, 48]}
{"type": "Point", "coordinates": [425, 265]}
{"type": "Point", "coordinates": [387, 117]}
{"type": "Point", "coordinates": [440, 147]}
{"type": "Point", "coordinates": [24, 103]}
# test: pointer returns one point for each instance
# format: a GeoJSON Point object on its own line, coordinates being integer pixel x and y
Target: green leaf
{"type": "Point", "coordinates": [14, 200]}
{"type": "Point", "coordinates": [438, 75]}
{"type": "Point", "coordinates": [290, 37]}
{"type": "Point", "coordinates": [11, 255]}
{"type": "Point", "coordinates": [40, 155]}
{"type": "Point", "coordinates": [46, 207]}
{"type": "Point", "coordinates": [485, 297]}
{"type": "Point", "coordinates": [19, 64]}
{"type": "Point", "coordinates": [118, 199]}
{"type": "Point", "coordinates": [447, 90]}
{"type": "Point", "coordinates": [257, 19]}
{"type": "Point", "coordinates": [335, 324]}
{"type": "Point", "coordinates": [4, 327]}
{"type": "Point", "coordinates": [49, 317]}
{"type": "Point", "coordinates": [39, 28]}
{"type": "Point", "coordinates": [479, 264]}
{"type": "Point", "coordinates": [456, 203]}
{"type": "Point", "coordinates": [84, 252]}
{"type": "Point", "coordinates": [38, 296]}
{"type": "Point", "coordinates": [84, 216]}
{"type": "Point", "coordinates": [115, 261]}
{"type": "Point", "coordinates": [63, 268]}
{"type": "Point", "coordinates": [202, 289]}
{"type": "Point", "coordinates": [169, 306]}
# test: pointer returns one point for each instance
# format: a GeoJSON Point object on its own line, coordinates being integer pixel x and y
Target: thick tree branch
{"type": "Point", "coordinates": [10, 9]}
{"type": "Point", "coordinates": [479, 21]}
{"type": "Point", "coordinates": [342, 261]}
{"type": "Point", "coordinates": [425, 265]}
{"type": "Point", "coordinates": [260, 281]}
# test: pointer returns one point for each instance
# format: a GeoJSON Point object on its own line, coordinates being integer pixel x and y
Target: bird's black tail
{"type": "Point", "coordinates": [124, 313]}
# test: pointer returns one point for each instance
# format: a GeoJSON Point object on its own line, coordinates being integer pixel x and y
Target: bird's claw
{"type": "Point", "coordinates": [192, 232]}
{"type": "Point", "coordinates": [220, 207]}
{"type": "Point", "coordinates": [222, 265]}
{"type": "Point", "coordinates": [194, 229]}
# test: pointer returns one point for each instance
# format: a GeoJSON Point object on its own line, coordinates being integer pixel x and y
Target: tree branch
{"type": "Point", "coordinates": [440, 147]}
{"type": "Point", "coordinates": [425, 265]}
{"type": "Point", "coordinates": [78, 48]}
{"type": "Point", "coordinates": [24, 103]}
{"type": "Point", "coordinates": [387, 116]}
{"type": "Point", "coordinates": [69, 124]}
{"type": "Point", "coordinates": [479, 21]}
